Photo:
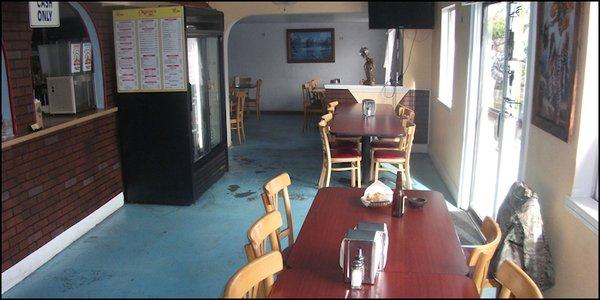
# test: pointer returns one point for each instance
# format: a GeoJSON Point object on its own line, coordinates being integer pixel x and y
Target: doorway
{"type": "Point", "coordinates": [498, 105]}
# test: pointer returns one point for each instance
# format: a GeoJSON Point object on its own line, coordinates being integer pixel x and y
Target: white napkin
{"type": "Point", "coordinates": [377, 186]}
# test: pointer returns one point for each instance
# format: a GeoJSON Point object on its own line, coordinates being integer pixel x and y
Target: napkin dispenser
{"type": "Point", "coordinates": [382, 240]}
{"type": "Point", "coordinates": [368, 107]}
{"type": "Point", "coordinates": [366, 240]}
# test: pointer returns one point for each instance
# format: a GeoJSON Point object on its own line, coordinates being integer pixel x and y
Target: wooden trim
{"type": "Point", "coordinates": [31, 136]}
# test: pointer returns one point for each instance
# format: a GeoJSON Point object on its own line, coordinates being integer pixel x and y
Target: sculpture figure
{"type": "Point", "coordinates": [368, 66]}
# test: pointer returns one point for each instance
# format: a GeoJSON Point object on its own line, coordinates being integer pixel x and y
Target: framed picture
{"type": "Point", "coordinates": [555, 67]}
{"type": "Point", "coordinates": [310, 45]}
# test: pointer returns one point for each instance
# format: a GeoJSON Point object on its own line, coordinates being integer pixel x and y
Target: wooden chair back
{"type": "Point", "coordinates": [258, 85]}
{"type": "Point", "coordinates": [266, 227]}
{"type": "Point", "coordinates": [405, 112]}
{"type": "Point", "coordinates": [515, 282]}
{"type": "Point", "coordinates": [406, 142]}
{"type": "Point", "coordinates": [306, 94]}
{"type": "Point", "coordinates": [270, 199]}
{"type": "Point", "coordinates": [255, 278]}
{"type": "Point", "coordinates": [482, 255]}
{"type": "Point", "coordinates": [331, 106]}
{"type": "Point", "coordinates": [327, 118]}
{"type": "Point", "coordinates": [324, 130]}
{"type": "Point", "coordinates": [240, 98]}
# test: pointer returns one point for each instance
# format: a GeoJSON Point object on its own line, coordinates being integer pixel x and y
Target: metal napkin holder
{"type": "Point", "coordinates": [372, 239]}
{"type": "Point", "coordinates": [368, 107]}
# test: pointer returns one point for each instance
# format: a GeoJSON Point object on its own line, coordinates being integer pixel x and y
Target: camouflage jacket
{"type": "Point", "coordinates": [523, 239]}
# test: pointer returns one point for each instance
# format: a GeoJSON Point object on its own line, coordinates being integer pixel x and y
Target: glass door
{"type": "Point", "coordinates": [197, 89]}
{"type": "Point", "coordinates": [213, 70]}
{"type": "Point", "coordinates": [503, 69]}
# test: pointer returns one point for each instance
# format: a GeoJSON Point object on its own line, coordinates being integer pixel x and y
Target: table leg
{"type": "Point", "coordinates": [366, 159]}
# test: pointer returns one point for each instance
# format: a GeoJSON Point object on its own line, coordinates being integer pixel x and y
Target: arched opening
{"type": "Point", "coordinates": [65, 68]}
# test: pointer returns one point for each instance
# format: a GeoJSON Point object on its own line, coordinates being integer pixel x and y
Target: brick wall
{"type": "Point", "coordinates": [51, 182]}
{"type": "Point", "coordinates": [16, 39]}
{"type": "Point", "coordinates": [54, 181]}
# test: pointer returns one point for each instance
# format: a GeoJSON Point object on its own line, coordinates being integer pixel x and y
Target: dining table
{"type": "Point", "coordinates": [348, 120]}
{"type": "Point", "coordinates": [425, 258]}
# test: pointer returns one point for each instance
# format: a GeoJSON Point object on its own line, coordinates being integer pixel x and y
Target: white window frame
{"type": "Point", "coordinates": [583, 201]}
{"type": "Point", "coordinates": [447, 47]}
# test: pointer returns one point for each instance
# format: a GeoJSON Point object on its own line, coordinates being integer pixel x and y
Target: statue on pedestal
{"type": "Point", "coordinates": [369, 67]}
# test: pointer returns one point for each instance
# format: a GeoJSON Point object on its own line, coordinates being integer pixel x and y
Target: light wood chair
{"type": "Point", "coordinates": [399, 156]}
{"type": "Point", "coordinates": [480, 256]}
{"type": "Point", "coordinates": [333, 156]}
{"type": "Point", "coordinates": [255, 102]}
{"type": "Point", "coordinates": [339, 142]}
{"type": "Point", "coordinates": [265, 227]}
{"type": "Point", "coordinates": [270, 199]}
{"type": "Point", "coordinates": [515, 283]}
{"type": "Point", "coordinates": [405, 112]}
{"type": "Point", "coordinates": [347, 139]}
{"type": "Point", "coordinates": [310, 108]}
{"type": "Point", "coordinates": [237, 117]}
{"type": "Point", "coordinates": [255, 279]}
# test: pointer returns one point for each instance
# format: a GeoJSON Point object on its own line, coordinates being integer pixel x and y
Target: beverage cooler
{"type": "Point", "coordinates": [174, 144]}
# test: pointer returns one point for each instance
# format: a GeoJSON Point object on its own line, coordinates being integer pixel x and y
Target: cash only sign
{"type": "Point", "coordinates": [44, 14]}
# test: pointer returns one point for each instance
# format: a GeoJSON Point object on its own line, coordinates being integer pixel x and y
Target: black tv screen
{"type": "Point", "coordinates": [408, 15]}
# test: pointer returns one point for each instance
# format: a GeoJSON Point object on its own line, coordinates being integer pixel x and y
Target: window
{"type": "Point", "coordinates": [583, 202]}
{"type": "Point", "coordinates": [446, 78]}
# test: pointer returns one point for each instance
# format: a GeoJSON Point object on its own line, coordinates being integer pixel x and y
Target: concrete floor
{"type": "Point", "coordinates": [170, 251]}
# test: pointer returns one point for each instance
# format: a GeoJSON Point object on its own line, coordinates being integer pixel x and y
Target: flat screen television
{"type": "Point", "coordinates": [407, 15]}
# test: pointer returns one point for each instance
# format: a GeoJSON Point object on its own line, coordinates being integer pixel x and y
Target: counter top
{"type": "Point", "coordinates": [367, 88]}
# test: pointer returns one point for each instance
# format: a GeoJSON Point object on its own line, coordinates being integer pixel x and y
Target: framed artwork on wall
{"type": "Point", "coordinates": [310, 45]}
{"type": "Point", "coordinates": [555, 67]}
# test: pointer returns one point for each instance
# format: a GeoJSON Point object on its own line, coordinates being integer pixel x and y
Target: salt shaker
{"type": "Point", "coordinates": [358, 271]}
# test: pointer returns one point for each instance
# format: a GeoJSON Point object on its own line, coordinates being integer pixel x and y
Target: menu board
{"type": "Point", "coordinates": [86, 53]}
{"type": "Point", "coordinates": [150, 49]}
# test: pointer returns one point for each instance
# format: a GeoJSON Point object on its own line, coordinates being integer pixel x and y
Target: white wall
{"type": "Point", "coordinates": [258, 50]}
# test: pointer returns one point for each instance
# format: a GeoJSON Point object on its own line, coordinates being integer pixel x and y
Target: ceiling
{"type": "Point", "coordinates": [308, 18]}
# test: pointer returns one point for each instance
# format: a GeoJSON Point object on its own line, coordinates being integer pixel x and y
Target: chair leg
{"type": "Point", "coordinates": [408, 177]}
{"type": "Point", "coordinates": [358, 163]}
{"type": "Point", "coordinates": [328, 178]}
{"type": "Point", "coordinates": [243, 131]}
{"type": "Point", "coordinates": [257, 111]}
{"type": "Point", "coordinates": [353, 175]}
{"type": "Point", "coordinates": [238, 133]}
{"type": "Point", "coordinates": [304, 126]}
{"type": "Point", "coordinates": [322, 177]}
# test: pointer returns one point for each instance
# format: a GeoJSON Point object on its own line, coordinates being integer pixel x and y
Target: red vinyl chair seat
{"type": "Point", "coordinates": [389, 154]}
{"type": "Point", "coordinates": [384, 144]}
{"type": "Point", "coordinates": [344, 153]}
{"type": "Point", "coordinates": [343, 144]}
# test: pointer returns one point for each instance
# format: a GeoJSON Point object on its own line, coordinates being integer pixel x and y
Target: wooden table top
{"type": "Point", "coordinates": [425, 258]}
{"type": "Point", "coordinates": [349, 120]}
{"type": "Point", "coordinates": [424, 240]}
{"type": "Point", "coordinates": [306, 283]}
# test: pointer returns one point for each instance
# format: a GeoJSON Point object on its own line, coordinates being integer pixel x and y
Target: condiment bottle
{"type": "Point", "coordinates": [398, 198]}
{"type": "Point", "coordinates": [358, 271]}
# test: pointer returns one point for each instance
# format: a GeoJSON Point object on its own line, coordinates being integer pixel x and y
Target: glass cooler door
{"type": "Point", "coordinates": [198, 88]}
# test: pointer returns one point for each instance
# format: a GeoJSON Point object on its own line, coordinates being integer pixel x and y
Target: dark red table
{"type": "Point", "coordinates": [348, 120]}
{"type": "Point", "coordinates": [424, 254]}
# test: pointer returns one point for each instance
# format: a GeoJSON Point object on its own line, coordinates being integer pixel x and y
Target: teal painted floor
{"type": "Point", "coordinates": [172, 251]}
